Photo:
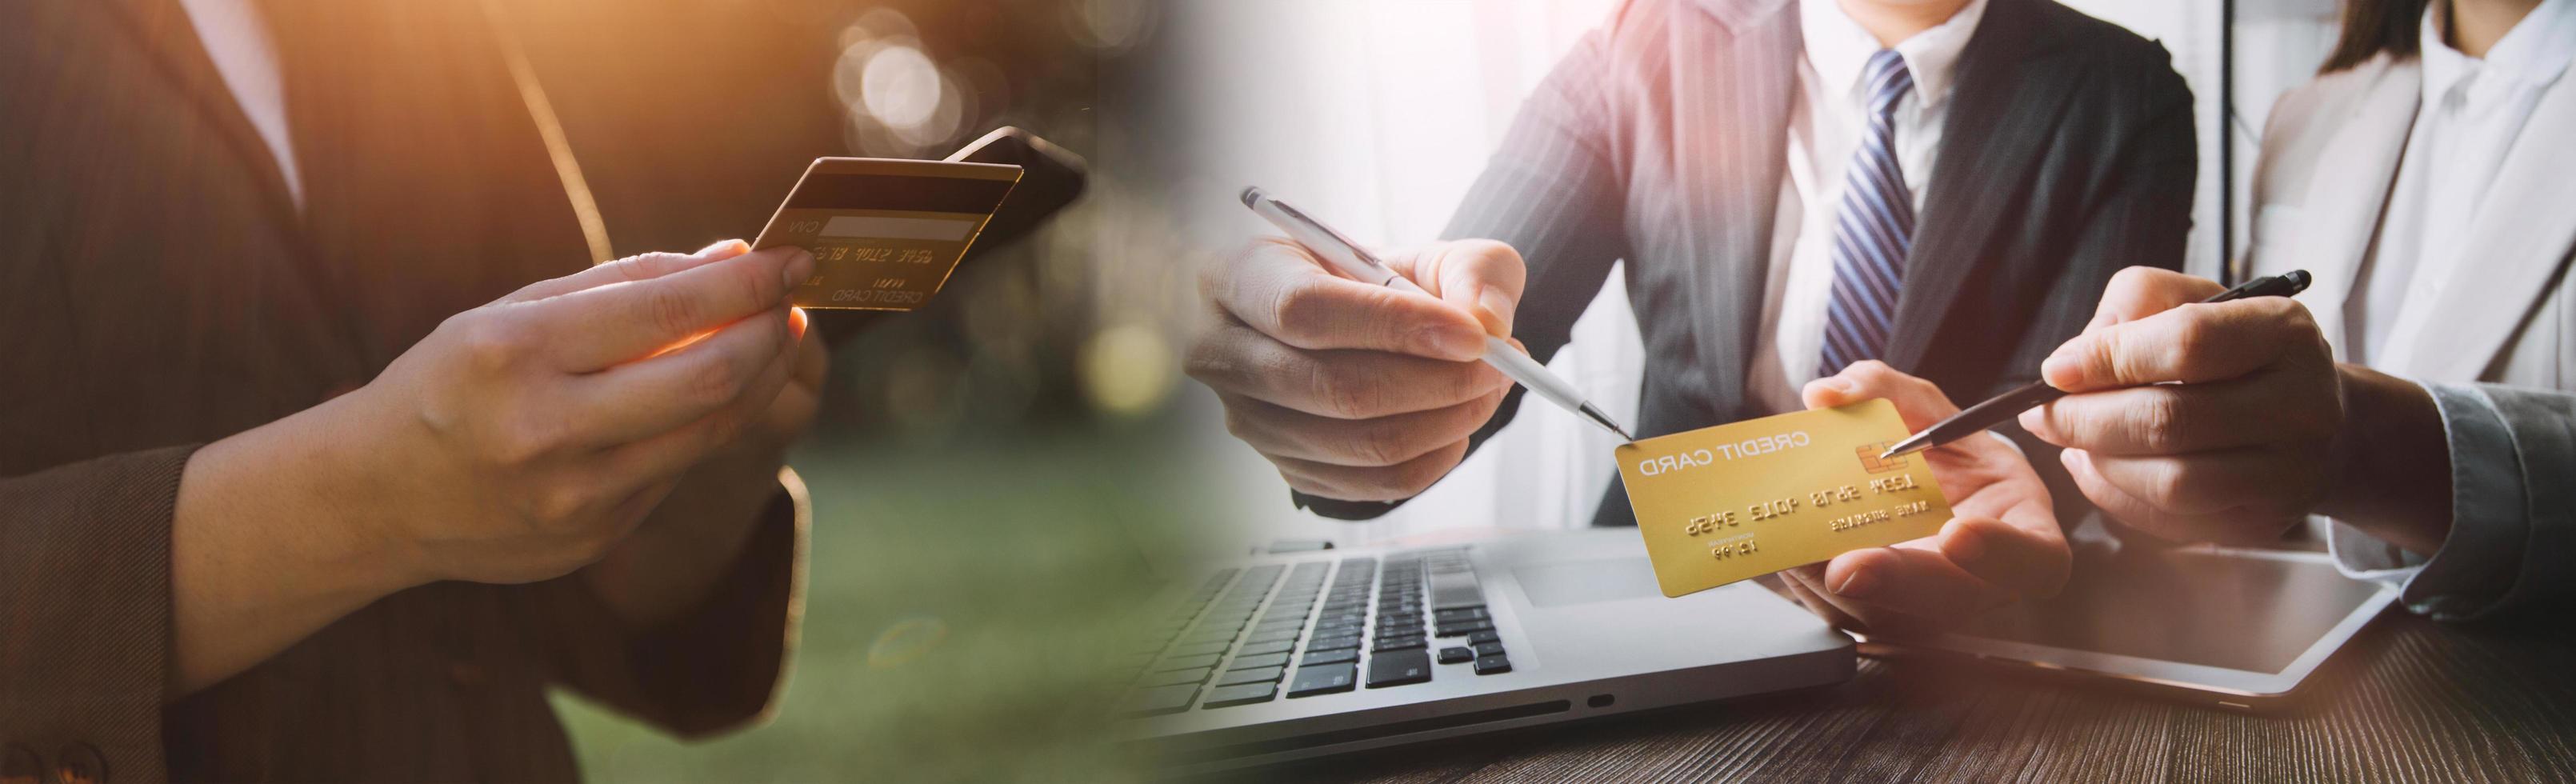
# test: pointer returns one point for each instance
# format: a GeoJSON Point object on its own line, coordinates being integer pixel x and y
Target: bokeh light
{"type": "Point", "coordinates": [1127, 369]}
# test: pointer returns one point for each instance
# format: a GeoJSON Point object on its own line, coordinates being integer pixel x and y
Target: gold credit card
{"type": "Point", "coordinates": [1725, 503]}
{"type": "Point", "coordinates": [885, 233]}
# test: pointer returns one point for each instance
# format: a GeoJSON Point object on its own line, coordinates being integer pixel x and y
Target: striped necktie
{"type": "Point", "coordinates": [1872, 229]}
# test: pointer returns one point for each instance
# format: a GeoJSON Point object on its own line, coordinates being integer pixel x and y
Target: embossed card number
{"type": "Point", "coordinates": [1726, 503]}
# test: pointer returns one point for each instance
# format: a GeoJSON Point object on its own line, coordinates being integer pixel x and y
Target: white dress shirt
{"type": "Point", "coordinates": [1826, 115]}
{"type": "Point", "coordinates": [2472, 111]}
{"type": "Point", "coordinates": [237, 40]}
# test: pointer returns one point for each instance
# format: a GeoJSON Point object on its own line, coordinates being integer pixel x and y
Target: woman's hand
{"type": "Point", "coordinates": [519, 441]}
{"type": "Point", "coordinates": [524, 438]}
{"type": "Point", "coordinates": [2002, 543]}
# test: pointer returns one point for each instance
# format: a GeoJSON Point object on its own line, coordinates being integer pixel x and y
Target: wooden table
{"type": "Point", "coordinates": [2409, 700]}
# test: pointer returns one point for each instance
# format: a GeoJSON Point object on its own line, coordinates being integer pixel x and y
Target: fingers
{"type": "Point", "coordinates": [2202, 483]}
{"type": "Point", "coordinates": [2139, 292]}
{"type": "Point", "coordinates": [2241, 526]}
{"type": "Point", "coordinates": [1237, 360]}
{"type": "Point", "coordinates": [605, 325]}
{"type": "Point", "coordinates": [1908, 579]}
{"type": "Point", "coordinates": [1277, 289]}
{"type": "Point", "coordinates": [632, 268]}
{"type": "Point", "coordinates": [2177, 418]}
{"type": "Point", "coordinates": [1483, 277]}
{"type": "Point", "coordinates": [2190, 343]}
{"type": "Point", "coordinates": [641, 400]}
{"type": "Point", "coordinates": [1368, 443]}
{"type": "Point", "coordinates": [1920, 403]}
{"type": "Point", "coordinates": [673, 452]}
{"type": "Point", "coordinates": [1389, 483]}
{"type": "Point", "coordinates": [2022, 560]}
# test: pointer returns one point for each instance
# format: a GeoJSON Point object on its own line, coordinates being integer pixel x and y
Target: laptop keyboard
{"type": "Point", "coordinates": [1257, 634]}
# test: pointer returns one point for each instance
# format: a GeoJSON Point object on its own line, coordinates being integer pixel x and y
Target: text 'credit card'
{"type": "Point", "coordinates": [1726, 503]}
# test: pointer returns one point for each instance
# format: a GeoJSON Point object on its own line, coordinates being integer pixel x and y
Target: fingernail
{"type": "Point", "coordinates": [1497, 313]}
{"type": "Point", "coordinates": [725, 247]}
{"type": "Point", "coordinates": [2059, 370]}
{"type": "Point", "coordinates": [1450, 342]}
{"type": "Point", "coordinates": [1856, 585]}
{"type": "Point", "coordinates": [799, 266]}
{"type": "Point", "coordinates": [1840, 384]}
{"type": "Point", "coordinates": [1964, 549]}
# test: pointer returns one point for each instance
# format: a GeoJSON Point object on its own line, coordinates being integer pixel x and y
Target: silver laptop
{"type": "Point", "coordinates": [1307, 654]}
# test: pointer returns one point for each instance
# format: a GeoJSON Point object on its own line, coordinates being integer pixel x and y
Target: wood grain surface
{"type": "Point", "coordinates": [2409, 701]}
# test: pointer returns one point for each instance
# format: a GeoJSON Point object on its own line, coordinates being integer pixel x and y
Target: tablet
{"type": "Point", "coordinates": [2239, 628]}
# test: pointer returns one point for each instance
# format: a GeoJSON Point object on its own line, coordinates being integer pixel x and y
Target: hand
{"type": "Point", "coordinates": [2195, 421]}
{"type": "Point", "coordinates": [2002, 543]}
{"type": "Point", "coordinates": [524, 438]}
{"type": "Point", "coordinates": [1356, 391]}
{"type": "Point", "coordinates": [696, 535]}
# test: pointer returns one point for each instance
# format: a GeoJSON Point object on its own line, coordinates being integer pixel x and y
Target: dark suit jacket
{"type": "Point", "coordinates": [2067, 155]}
{"type": "Point", "coordinates": [158, 290]}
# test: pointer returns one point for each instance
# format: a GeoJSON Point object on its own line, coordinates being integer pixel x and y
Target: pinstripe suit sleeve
{"type": "Point", "coordinates": [1553, 192]}
{"type": "Point", "coordinates": [85, 606]}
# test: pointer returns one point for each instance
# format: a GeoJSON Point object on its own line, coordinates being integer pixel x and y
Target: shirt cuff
{"type": "Point", "coordinates": [2480, 558]}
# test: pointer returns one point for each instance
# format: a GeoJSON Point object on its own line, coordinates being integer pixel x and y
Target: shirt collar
{"type": "Point", "coordinates": [2535, 51]}
{"type": "Point", "coordinates": [1839, 48]}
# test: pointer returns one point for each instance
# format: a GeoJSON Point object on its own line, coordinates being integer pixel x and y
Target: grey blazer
{"type": "Point", "coordinates": [2068, 155]}
{"type": "Point", "coordinates": [2501, 363]}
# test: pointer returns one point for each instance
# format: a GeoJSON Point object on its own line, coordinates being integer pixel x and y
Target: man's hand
{"type": "Point", "coordinates": [1355, 391]}
{"type": "Point", "coordinates": [2002, 543]}
{"type": "Point", "coordinates": [2227, 421]}
{"type": "Point", "coordinates": [524, 438]}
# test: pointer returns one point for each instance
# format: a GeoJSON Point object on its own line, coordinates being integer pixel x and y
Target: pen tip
{"type": "Point", "coordinates": [1251, 195]}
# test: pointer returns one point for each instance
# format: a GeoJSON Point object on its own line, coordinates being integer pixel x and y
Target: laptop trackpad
{"type": "Point", "coordinates": [1584, 582]}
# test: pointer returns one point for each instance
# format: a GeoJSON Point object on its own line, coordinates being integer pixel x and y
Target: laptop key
{"type": "Point", "coordinates": [1484, 649]}
{"type": "Point", "coordinates": [1398, 668]}
{"type": "Point", "coordinates": [1263, 660]}
{"type": "Point", "coordinates": [1462, 628]}
{"type": "Point", "coordinates": [1176, 677]}
{"type": "Point", "coordinates": [1195, 649]}
{"type": "Point", "coordinates": [1187, 662]}
{"type": "Point", "coordinates": [1455, 654]}
{"type": "Point", "coordinates": [1266, 646]}
{"type": "Point", "coordinates": [1160, 700]}
{"type": "Point", "coordinates": [1485, 636]}
{"type": "Point", "coordinates": [1385, 644]}
{"type": "Point", "coordinates": [1493, 665]}
{"type": "Point", "coordinates": [1460, 614]}
{"type": "Point", "coordinates": [1350, 641]}
{"type": "Point", "coordinates": [1331, 657]}
{"type": "Point", "coordinates": [1243, 694]}
{"type": "Point", "coordinates": [1255, 675]}
{"type": "Point", "coordinates": [1320, 679]}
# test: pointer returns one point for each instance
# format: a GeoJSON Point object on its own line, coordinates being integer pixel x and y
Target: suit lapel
{"type": "Point", "coordinates": [2350, 189]}
{"type": "Point", "coordinates": [162, 28]}
{"type": "Point", "coordinates": [2005, 99]}
{"type": "Point", "coordinates": [2519, 240]}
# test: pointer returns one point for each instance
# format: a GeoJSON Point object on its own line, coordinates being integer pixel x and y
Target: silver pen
{"type": "Point", "coordinates": [1355, 261]}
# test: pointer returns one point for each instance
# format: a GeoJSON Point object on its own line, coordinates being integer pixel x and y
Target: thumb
{"type": "Point", "coordinates": [1482, 277]}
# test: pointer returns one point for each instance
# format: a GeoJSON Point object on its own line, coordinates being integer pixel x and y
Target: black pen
{"type": "Point", "coordinates": [2004, 408]}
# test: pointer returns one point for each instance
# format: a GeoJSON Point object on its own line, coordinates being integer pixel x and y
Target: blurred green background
{"type": "Point", "coordinates": [959, 609]}
{"type": "Point", "coordinates": [997, 474]}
